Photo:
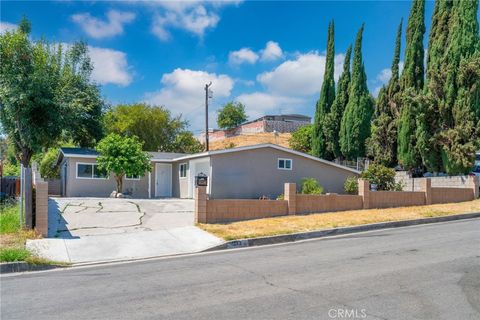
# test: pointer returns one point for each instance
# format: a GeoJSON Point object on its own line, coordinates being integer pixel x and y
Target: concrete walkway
{"type": "Point", "coordinates": [88, 230]}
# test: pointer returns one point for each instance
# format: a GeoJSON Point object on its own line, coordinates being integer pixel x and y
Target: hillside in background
{"type": "Point", "coordinates": [248, 140]}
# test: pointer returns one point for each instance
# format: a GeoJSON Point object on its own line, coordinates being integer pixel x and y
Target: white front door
{"type": "Point", "coordinates": [163, 180]}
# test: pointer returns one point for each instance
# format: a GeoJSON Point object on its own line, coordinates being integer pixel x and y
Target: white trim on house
{"type": "Point", "coordinates": [86, 156]}
{"type": "Point", "coordinates": [133, 179]}
{"type": "Point", "coordinates": [285, 164]}
{"type": "Point", "coordinates": [85, 178]}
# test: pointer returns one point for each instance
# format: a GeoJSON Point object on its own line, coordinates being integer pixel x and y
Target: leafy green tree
{"type": "Point", "coordinates": [231, 115]}
{"type": "Point", "coordinates": [79, 97]}
{"type": "Point", "coordinates": [461, 138]}
{"type": "Point", "coordinates": [301, 139]}
{"type": "Point", "coordinates": [153, 125]}
{"type": "Point", "coordinates": [382, 145]}
{"type": "Point", "coordinates": [355, 126]}
{"type": "Point", "coordinates": [324, 104]}
{"type": "Point", "coordinates": [46, 94]}
{"type": "Point", "coordinates": [411, 84]}
{"type": "Point", "coordinates": [29, 113]}
{"type": "Point", "coordinates": [351, 185]}
{"type": "Point", "coordinates": [48, 165]}
{"type": "Point", "coordinates": [382, 176]}
{"type": "Point", "coordinates": [185, 142]}
{"type": "Point", "coordinates": [334, 119]}
{"type": "Point", "coordinates": [311, 186]}
{"type": "Point", "coordinates": [122, 156]}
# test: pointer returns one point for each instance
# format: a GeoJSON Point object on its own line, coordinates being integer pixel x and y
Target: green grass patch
{"type": "Point", "coordinates": [13, 238]}
{"type": "Point", "coordinates": [9, 219]}
{"type": "Point", "coordinates": [14, 254]}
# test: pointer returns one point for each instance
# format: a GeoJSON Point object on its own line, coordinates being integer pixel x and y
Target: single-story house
{"type": "Point", "coordinates": [245, 172]}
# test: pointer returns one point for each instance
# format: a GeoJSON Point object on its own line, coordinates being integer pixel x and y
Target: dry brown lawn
{"type": "Point", "coordinates": [319, 221]}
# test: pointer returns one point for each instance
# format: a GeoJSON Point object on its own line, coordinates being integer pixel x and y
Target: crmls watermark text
{"type": "Point", "coordinates": [347, 313]}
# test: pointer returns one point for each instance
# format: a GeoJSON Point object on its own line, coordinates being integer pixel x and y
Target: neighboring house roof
{"type": "Point", "coordinates": [166, 155]}
{"type": "Point", "coordinates": [170, 156]}
{"type": "Point", "coordinates": [92, 154]}
{"type": "Point", "coordinates": [266, 145]}
{"type": "Point", "coordinates": [72, 152]}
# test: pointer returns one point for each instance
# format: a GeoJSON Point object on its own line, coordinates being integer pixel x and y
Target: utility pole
{"type": "Point", "coordinates": [207, 95]}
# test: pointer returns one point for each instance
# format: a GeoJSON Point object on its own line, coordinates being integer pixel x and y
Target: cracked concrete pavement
{"type": "Point", "coordinates": [85, 230]}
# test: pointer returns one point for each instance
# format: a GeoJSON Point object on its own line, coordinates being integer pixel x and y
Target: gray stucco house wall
{"type": "Point", "coordinates": [245, 172]}
{"type": "Point", "coordinates": [73, 186]}
{"type": "Point", "coordinates": [253, 173]}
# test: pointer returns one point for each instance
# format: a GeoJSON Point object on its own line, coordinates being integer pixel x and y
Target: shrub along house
{"type": "Point", "coordinates": [245, 172]}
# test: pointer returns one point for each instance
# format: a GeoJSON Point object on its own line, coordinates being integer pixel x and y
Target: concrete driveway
{"type": "Point", "coordinates": [86, 230]}
{"type": "Point", "coordinates": [77, 217]}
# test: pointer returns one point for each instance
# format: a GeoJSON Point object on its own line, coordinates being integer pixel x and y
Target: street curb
{"type": "Point", "coordinates": [20, 266]}
{"type": "Point", "coordinates": [260, 241]}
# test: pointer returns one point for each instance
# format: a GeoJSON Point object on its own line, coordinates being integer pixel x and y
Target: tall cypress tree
{"type": "Point", "coordinates": [462, 89]}
{"type": "Point", "coordinates": [434, 112]}
{"type": "Point", "coordinates": [339, 104]}
{"type": "Point", "coordinates": [411, 84]}
{"type": "Point", "coordinates": [355, 126]}
{"type": "Point", "coordinates": [324, 104]}
{"type": "Point", "coordinates": [382, 145]}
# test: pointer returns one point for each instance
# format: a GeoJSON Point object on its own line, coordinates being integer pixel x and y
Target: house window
{"type": "Point", "coordinates": [284, 164]}
{"type": "Point", "coordinates": [90, 171]}
{"type": "Point", "coordinates": [129, 177]}
{"type": "Point", "coordinates": [183, 170]}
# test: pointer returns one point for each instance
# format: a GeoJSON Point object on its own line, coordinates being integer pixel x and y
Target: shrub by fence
{"type": "Point", "coordinates": [225, 210]}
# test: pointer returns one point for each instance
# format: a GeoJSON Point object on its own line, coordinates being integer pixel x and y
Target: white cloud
{"type": "Point", "coordinates": [7, 26]}
{"type": "Point", "coordinates": [300, 77]}
{"type": "Point", "coordinates": [192, 16]}
{"type": "Point", "coordinates": [271, 52]}
{"type": "Point", "coordinates": [110, 66]}
{"type": "Point", "coordinates": [260, 103]}
{"type": "Point", "coordinates": [244, 55]}
{"type": "Point", "coordinates": [383, 77]}
{"type": "Point", "coordinates": [97, 28]}
{"type": "Point", "coordinates": [385, 74]}
{"type": "Point", "coordinates": [183, 92]}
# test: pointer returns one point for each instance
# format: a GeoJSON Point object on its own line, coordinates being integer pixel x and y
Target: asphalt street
{"type": "Point", "coordinates": [421, 272]}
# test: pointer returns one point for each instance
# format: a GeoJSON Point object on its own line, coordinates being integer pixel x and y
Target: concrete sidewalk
{"type": "Point", "coordinates": [126, 246]}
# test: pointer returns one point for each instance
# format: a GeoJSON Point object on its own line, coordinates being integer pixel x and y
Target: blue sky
{"type": "Point", "coordinates": [268, 55]}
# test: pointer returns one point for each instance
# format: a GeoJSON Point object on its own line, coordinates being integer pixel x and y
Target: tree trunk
{"type": "Point", "coordinates": [25, 157]}
{"type": "Point", "coordinates": [119, 180]}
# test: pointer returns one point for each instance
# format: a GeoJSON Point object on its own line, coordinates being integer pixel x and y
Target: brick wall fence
{"type": "Point", "coordinates": [226, 210]}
